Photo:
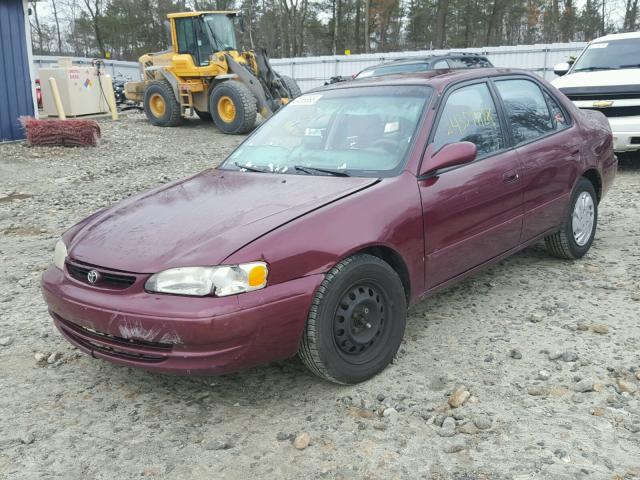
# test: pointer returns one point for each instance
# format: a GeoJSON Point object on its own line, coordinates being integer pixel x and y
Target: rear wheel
{"type": "Point", "coordinates": [356, 321]}
{"type": "Point", "coordinates": [160, 104]}
{"type": "Point", "coordinates": [575, 237]}
{"type": "Point", "coordinates": [233, 107]}
{"type": "Point", "coordinates": [291, 85]}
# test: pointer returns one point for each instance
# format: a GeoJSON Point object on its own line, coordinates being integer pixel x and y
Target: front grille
{"type": "Point", "coordinates": [106, 278]}
{"type": "Point", "coordinates": [635, 140]}
{"type": "Point", "coordinates": [618, 111]}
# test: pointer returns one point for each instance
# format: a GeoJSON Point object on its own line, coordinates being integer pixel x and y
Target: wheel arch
{"type": "Point", "coordinates": [594, 177]}
{"type": "Point", "coordinates": [395, 261]}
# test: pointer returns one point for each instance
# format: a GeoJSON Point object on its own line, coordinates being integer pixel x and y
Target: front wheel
{"type": "Point", "coordinates": [233, 107]}
{"type": "Point", "coordinates": [292, 86]}
{"type": "Point", "coordinates": [576, 235]}
{"type": "Point", "coordinates": [356, 321]}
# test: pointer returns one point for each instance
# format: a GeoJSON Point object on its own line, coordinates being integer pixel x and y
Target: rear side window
{"type": "Point", "coordinates": [469, 115]}
{"type": "Point", "coordinates": [527, 109]}
{"type": "Point", "coordinates": [558, 117]}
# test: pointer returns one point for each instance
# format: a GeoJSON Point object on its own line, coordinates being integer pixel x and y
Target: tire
{"type": "Point", "coordinates": [204, 116]}
{"type": "Point", "coordinates": [356, 352]}
{"type": "Point", "coordinates": [569, 242]}
{"type": "Point", "coordinates": [291, 85]}
{"type": "Point", "coordinates": [157, 93]}
{"type": "Point", "coordinates": [233, 107]}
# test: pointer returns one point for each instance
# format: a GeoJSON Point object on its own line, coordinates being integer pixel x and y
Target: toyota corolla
{"type": "Point", "coordinates": [319, 230]}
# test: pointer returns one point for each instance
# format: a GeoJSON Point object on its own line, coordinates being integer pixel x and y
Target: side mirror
{"type": "Point", "coordinates": [450, 155]}
{"type": "Point", "coordinates": [561, 68]}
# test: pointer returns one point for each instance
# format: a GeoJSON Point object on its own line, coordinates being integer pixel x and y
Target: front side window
{"type": "Point", "coordinates": [526, 109]}
{"type": "Point", "coordinates": [469, 115]}
{"type": "Point", "coordinates": [365, 131]}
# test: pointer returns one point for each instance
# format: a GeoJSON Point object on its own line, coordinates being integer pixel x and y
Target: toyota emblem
{"type": "Point", "coordinates": [93, 277]}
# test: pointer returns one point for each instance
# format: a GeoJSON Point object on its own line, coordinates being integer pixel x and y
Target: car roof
{"type": "Point", "coordinates": [438, 79]}
{"type": "Point", "coordinates": [616, 36]}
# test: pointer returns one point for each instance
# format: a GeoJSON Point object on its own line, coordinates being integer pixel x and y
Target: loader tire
{"type": "Point", "coordinates": [161, 105]}
{"type": "Point", "coordinates": [291, 85]}
{"type": "Point", "coordinates": [233, 107]}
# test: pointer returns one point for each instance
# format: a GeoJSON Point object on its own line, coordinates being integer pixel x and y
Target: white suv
{"type": "Point", "coordinates": [606, 77]}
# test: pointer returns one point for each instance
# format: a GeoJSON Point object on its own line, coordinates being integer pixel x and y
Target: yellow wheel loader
{"type": "Point", "coordinates": [204, 72]}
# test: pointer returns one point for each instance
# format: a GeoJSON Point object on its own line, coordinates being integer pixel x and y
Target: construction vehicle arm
{"type": "Point", "coordinates": [252, 83]}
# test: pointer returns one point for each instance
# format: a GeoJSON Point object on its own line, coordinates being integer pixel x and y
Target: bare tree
{"type": "Point", "coordinates": [57, 20]}
{"type": "Point", "coordinates": [630, 15]}
{"type": "Point", "coordinates": [38, 27]}
{"type": "Point", "coordinates": [441, 21]}
{"type": "Point", "coordinates": [94, 7]}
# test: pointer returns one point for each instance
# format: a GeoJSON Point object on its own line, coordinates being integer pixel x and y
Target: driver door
{"type": "Point", "coordinates": [472, 212]}
{"type": "Point", "coordinates": [193, 41]}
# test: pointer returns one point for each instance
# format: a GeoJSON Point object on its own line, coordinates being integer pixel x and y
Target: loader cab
{"type": "Point", "coordinates": [203, 34]}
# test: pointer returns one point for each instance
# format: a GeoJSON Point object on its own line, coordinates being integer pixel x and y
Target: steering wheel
{"type": "Point", "coordinates": [388, 144]}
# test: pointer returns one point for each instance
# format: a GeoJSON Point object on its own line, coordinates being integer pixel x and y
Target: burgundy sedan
{"type": "Point", "coordinates": [319, 230]}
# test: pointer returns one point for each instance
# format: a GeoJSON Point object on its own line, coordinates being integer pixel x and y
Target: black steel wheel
{"type": "Point", "coordinates": [356, 321]}
{"type": "Point", "coordinates": [359, 322]}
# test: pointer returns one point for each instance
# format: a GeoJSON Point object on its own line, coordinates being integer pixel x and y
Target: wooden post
{"type": "Point", "coordinates": [56, 98]}
{"type": "Point", "coordinates": [111, 97]}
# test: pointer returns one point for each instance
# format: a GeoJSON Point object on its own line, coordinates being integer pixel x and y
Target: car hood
{"type": "Point", "coordinates": [598, 78]}
{"type": "Point", "coordinates": [201, 220]}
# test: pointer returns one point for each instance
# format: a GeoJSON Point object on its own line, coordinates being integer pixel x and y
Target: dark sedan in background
{"type": "Point", "coordinates": [319, 230]}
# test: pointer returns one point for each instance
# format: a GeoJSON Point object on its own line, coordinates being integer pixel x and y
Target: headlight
{"type": "Point", "coordinates": [202, 281]}
{"type": "Point", "coordinates": [60, 254]}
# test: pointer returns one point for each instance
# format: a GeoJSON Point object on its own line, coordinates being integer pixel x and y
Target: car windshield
{"type": "Point", "coordinates": [364, 131]}
{"type": "Point", "coordinates": [222, 30]}
{"type": "Point", "coordinates": [391, 69]}
{"type": "Point", "coordinates": [610, 55]}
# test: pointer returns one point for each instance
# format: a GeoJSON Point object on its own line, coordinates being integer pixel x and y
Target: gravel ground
{"type": "Point", "coordinates": [529, 370]}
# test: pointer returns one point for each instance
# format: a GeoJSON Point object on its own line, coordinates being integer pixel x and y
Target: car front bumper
{"type": "Point", "coordinates": [626, 133]}
{"type": "Point", "coordinates": [177, 334]}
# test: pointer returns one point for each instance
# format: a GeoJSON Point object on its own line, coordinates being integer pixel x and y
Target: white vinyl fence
{"type": "Point", "coordinates": [311, 72]}
{"type": "Point", "coordinates": [116, 68]}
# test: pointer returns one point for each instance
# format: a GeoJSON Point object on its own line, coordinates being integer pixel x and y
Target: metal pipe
{"type": "Point", "coordinates": [56, 98]}
{"type": "Point", "coordinates": [111, 98]}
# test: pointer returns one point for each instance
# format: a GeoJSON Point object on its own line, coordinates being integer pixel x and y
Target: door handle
{"type": "Point", "coordinates": [510, 177]}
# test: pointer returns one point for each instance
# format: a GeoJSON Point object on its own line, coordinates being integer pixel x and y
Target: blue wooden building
{"type": "Point", "coordinates": [16, 77]}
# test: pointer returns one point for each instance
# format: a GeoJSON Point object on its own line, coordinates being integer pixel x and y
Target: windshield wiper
{"type": "Point", "coordinates": [243, 166]}
{"type": "Point", "coordinates": [327, 171]}
{"type": "Point", "coordinates": [632, 65]}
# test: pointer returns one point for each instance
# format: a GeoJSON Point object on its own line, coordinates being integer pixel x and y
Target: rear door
{"type": "Point", "coordinates": [472, 212]}
{"type": "Point", "coordinates": [548, 146]}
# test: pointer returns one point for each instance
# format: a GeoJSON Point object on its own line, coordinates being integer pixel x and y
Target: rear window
{"type": "Point", "coordinates": [391, 69]}
{"type": "Point", "coordinates": [469, 62]}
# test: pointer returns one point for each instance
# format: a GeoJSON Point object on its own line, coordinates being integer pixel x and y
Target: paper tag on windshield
{"type": "Point", "coordinates": [598, 45]}
{"type": "Point", "coordinates": [306, 100]}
